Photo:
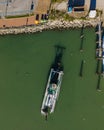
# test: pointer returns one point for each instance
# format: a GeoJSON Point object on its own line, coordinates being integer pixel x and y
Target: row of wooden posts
{"type": "Point", "coordinates": [81, 50]}
{"type": "Point", "coordinates": [99, 60]}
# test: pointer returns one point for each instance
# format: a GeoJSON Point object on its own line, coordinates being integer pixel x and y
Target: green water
{"type": "Point", "coordinates": [24, 64]}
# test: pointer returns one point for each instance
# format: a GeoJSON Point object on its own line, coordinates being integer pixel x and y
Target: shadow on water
{"type": "Point", "coordinates": [81, 68]}
{"type": "Point", "coordinates": [97, 31]}
{"type": "Point", "coordinates": [102, 69]}
{"type": "Point", "coordinates": [99, 67]}
{"type": "Point", "coordinates": [97, 46]}
{"type": "Point", "coordinates": [81, 45]}
{"type": "Point", "coordinates": [59, 50]}
{"type": "Point", "coordinates": [98, 83]}
{"type": "Point", "coordinates": [96, 28]}
{"type": "Point", "coordinates": [97, 38]}
{"type": "Point", "coordinates": [82, 38]}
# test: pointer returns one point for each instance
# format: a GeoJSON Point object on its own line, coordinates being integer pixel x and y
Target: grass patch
{"type": "Point", "coordinates": [57, 1]}
{"type": "Point", "coordinates": [56, 14]}
{"type": "Point", "coordinates": [19, 16]}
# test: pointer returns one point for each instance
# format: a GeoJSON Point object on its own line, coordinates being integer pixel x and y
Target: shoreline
{"type": "Point", "coordinates": [50, 25]}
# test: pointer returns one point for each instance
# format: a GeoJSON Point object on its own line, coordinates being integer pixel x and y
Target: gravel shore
{"type": "Point", "coordinates": [56, 24]}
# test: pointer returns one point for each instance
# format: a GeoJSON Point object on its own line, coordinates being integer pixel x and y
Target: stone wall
{"type": "Point", "coordinates": [56, 24]}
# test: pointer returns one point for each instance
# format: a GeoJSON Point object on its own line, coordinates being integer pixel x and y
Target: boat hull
{"type": "Point", "coordinates": [52, 91]}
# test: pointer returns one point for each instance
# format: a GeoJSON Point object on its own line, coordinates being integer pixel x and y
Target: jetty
{"type": "Point", "coordinates": [82, 38]}
{"type": "Point", "coordinates": [100, 45]}
{"type": "Point", "coordinates": [99, 42]}
{"type": "Point", "coordinates": [103, 56]}
{"type": "Point", "coordinates": [99, 52]}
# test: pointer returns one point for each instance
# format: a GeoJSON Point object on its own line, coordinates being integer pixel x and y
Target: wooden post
{"type": "Point", "coordinates": [98, 83]}
{"type": "Point", "coordinates": [97, 67]}
{"type": "Point", "coordinates": [82, 38]}
{"type": "Point", "coordinates": [81, 69]}
{"type": "Point", "coordinates": [81, 46]}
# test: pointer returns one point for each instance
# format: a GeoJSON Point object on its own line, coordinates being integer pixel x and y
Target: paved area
{"type": "Point", "coordinates": [16, 7]}
{"type": "Point", "coordinates": [41, 7]}
{"type": "Point", "coordinates": [87, 3]}
{"type": "Point", "coordinates": [100, 5]}
{"type": "Point", "coordinates": [60, 6]}
{"type": "Point", "coordinates": [17, 22]}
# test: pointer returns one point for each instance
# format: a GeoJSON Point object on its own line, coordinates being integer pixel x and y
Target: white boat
{"type": "Point", "coordinates": [53, 87]}
{"type": "Point", "coordinates": [52, 91]}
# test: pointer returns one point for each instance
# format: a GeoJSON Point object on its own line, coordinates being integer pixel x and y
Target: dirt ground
{"type": "Point", "coordinates": [15, 22]}
{"type": "Point", "coordinates": [42, 7]}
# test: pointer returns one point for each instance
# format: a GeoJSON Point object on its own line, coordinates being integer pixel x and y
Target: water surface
{"type": "Point", "coordinates": [25, 62]}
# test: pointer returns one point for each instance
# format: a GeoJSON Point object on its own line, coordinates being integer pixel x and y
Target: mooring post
{"type": "Point", "coordinates": [46, 116]}
{"type": "Point", "coordinates": [81, 69]}
{"type": "Point", "coordinates": [82, 34]}
{"type": "Point", "coordinates": [98, 83]}
{"type": "Point", "coordinates": [81, 46]}
{"type": "Point", "coordinates": [97, 67]}
{"type": "Point", "coordinates": [82, 38]}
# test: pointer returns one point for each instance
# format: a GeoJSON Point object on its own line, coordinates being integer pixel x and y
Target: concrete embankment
{"type": "Point", "coordinates": [56, 24]}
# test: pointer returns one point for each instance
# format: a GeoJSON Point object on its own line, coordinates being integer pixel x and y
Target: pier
{"type": "Point", "coordinates": [99, 52]}
{"type": "Point", "coordinates": [103, 57]}
{"type": "Point", "coordinates": [82, 38]}
{"type": "Point", "coordinates": [99, 42]}
{"type": "Point", "coordinates": [99, 48]}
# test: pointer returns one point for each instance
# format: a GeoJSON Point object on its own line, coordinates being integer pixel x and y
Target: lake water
{"type": "Point", "coordinates": [24, 65]}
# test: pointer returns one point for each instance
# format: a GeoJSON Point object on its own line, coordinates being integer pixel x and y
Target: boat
{"type": "Point", "coordinates": [103, 55]}
{"type": "Point", "coordinates": [53, 85]}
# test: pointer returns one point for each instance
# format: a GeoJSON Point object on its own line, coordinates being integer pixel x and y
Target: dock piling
{"type": "Point", "coordinates": [82, 38]}
{"type": "Point", "coordinates": [99, 51]}
{"type": "Point", "coordinates": [98, 83]}
{"type": "Point", "coordinates": [81, 46]}
{"type": "Point", "coordinates": [82, 34]}
{"type": "Point", "coordinates": [46, 117]}
{"type": "Point", "coordinates": [81, 69]}
{"type": "Point", "coordinates": [97, 67]}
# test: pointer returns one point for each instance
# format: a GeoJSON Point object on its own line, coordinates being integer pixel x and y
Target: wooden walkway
{"type": "Point", "coordinates": [99, 33]}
